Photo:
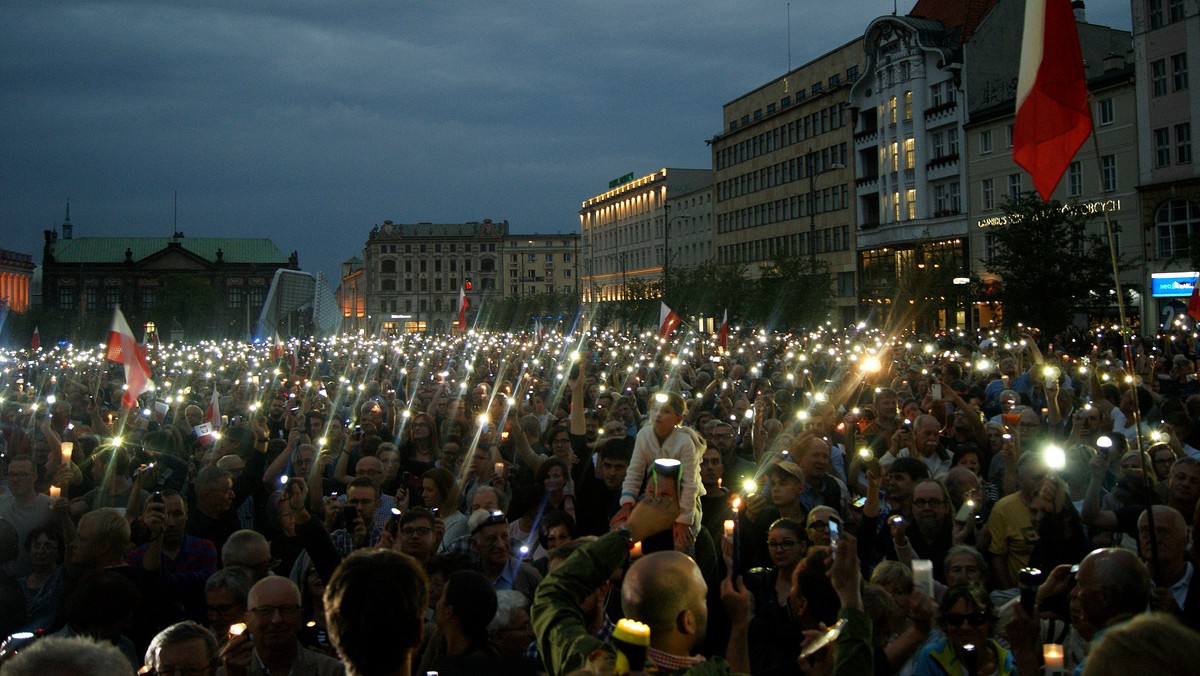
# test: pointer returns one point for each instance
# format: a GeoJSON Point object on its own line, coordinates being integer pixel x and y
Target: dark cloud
{"type": "Point", "coordinates": [307, 122]}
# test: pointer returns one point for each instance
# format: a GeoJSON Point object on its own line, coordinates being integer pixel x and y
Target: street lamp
{"type": "Point", "coordinates": [811, 166]}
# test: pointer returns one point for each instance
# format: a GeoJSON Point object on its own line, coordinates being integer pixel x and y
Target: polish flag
{"type": "Point", "coordinates": [123, 349]}
{"type": "Point", "coordinates": [35, 341]}
{"type": "Point", "coordinates": [462, 309]}
{"type": "Point", "coordinates": [1053, 118]}
{"type": "Point", "coordinates": [213, 415]}
{"type": "Point", "coordinates": [667, 321]}
{"type": "Point", "coordinates": [723, 336]}
{"type": "Point", "coordinates": [1193, 308]}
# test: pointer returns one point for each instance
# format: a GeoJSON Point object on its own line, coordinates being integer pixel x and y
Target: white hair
{"type": "Point", "coordinates": [77, 655]}
{"type": "Point", "coordinates": [508, 602]}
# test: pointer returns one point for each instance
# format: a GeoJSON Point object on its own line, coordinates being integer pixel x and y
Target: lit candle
{"type": "Point", "coordinates": [68, 449]}
{"type": "Point", "coordinates": [55, 491]}
{"type": "Point", "coordinates": [500, 468]}
{"type": "Point", "coordinates": [1052, 655]}
{"type": "Point", "coordinates": [636, 550]}
{"type": "Point", "coordinates": [729, 524]}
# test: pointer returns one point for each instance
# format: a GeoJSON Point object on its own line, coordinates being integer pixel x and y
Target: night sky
{"type": "Point", "coordinates": [310, 121]}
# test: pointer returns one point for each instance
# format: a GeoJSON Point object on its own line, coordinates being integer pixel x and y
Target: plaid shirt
{"type": "Point", "coordinates": [196, 556]}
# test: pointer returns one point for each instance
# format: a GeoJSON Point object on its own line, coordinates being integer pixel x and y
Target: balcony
{"type": "Point", "coordinates": [941, 110]}
{"type": "Point", "coordinates": [866, 136]}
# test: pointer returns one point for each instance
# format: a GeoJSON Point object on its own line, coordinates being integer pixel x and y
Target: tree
{"type": "Point", "coordinates": [792, 292]}
{"type": "Point", "coordinates": [1050, 265]}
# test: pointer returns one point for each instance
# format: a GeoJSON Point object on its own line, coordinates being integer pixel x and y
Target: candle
{"type": "Point", "coordinates": [729, 524]}
{"type": "Point", "coordinates": [923, 575]}
{"type": "Point", "coordinates": [55, 491]}
{"type": "Point", "coordinates": [636, 550]}
{"type": "Point", "coordinates": [1052, 655]}
{"type": "Point", "coordinates": [500, 468]}
{"type": "Point", "coordinates": [68, 449]}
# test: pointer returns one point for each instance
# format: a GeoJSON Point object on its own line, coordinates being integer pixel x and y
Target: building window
{"type": "Point", "coordinates": [388, 285]}
{"type": "Point", "coordinates": [892, 109]}
{"type": "Point", "coordinates": [1008, 136]}
{"type": "Point", "coordinates": [910, 197]}
{"type": "Point", "coordinates": [985, 142]}
{"type": "Point", "coordinates": [1174, 224]}
{"type": "Point", "coordinates": [952, 141]}
{"type": "Point", "coordinates": [895, 156]}
{"type": "Point", "coordinates": [1158, 78]}
{"type": "Point", "coordinates": [1179, 76]}
{"type": "Point", "coordinates": [987, 193]}
{"type": "Point", "coordinates": [1105, 112]}
{"type": "Point", "coordinates": [1174, 10]}
{"type": "Point", "coordinates": [1014, 186]}
{"type": "Point", "coordinates": [852, 73]}
{"type": "Point", "coordinates": [896, 206]}
{"type": "Point", "coordinates": [66, 299]}
{"type": "Point", "coordinates": [112, 298]}
{"type": "Point", "coordinates": [93, 298]}
{"type": "Point", "coordinates": [935, 96]}
{"type": "Point", "coordinates": [908, 104]}
{"type": "Point", "coordinates": [1183, 143]}
{"type": "Point", "coordinates": [910, 153]}
{"type": "Point", "coordinates": [1162, 147]}
{"type": "Point", "coordinates": [147, 297]}
{"type": "Point", "coordinates": [1154, 13]}
{"type": "Point", "coordinates": [1108, 169]}
{"type": "Point", "coordinates": [1074, 179]}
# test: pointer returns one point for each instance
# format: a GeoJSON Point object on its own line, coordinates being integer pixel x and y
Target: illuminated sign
{"type": "Point", "coordinates": [618, 181]}
{"type": "Point", "coordinates": [1172, 284]}
{"type": "Point", "coordinates": [1094, 207]}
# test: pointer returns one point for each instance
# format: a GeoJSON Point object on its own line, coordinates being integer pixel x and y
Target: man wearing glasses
{"type": "Point", "coordinates": [24, 508]}
{"type": "Point", "coordinates": [269, 644]}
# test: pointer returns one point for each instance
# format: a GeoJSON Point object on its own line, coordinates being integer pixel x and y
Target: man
{"type": "Point", "coordinates": [490, 542]}
{"type": "Point", "coordinates": [737, 469]}
{"type": "Point", "coordinates": [1110, 588]}
{"type": "Point", "coordinates": [24, 508]}
{"type": "Point", "coordinates": [964, 565]}
{"type": "Point", "coordinates": [184, 647]}
{"type": "Point", "coordinates": [664, 590]}
{"type": "Point", "coordinates": [879, 432]}
{"type": "Point", "coordinates": [820, 488]}
{"type": "Point", "coordinates": [250, 551]}
{"type": "Point", "coordinates": [599, 495]}
{"type": "Point", "coordinates": [213, 517]}
{"type": "Point", "coordinates": [932, 537]}
{"type": "Point", "coordinates": [225, 596]}
{"type": "Point", "coordinates": [825, 420]}
{"type": "Point", "coordinates": [928, 446]}
{"type": "Point", "coordinates": [363, 496]}
{"type": "Point", "coordinates": [715, 501]}
{"type": "Point", "coordinates": [1183, 491]}
{"type": "Point", "coordinates": [375, 609]}
{"type": "Point", "coordinates": [277, 417]}
{"type": "Point", "coordinates": [415, 536]}
{"type": "Point", "coordinates": [1010, 525]}
{"type": "Point", "coordinates": [78, 656]}
{"type": "Point", "coordinates": [270, 644]}
{"type": "Point", "coordinates": [110, 475]}
{"type": "Point", "coordinates": [1167, 560]}
{"type": "Point", "coordinates": [595, 618]}
{"type": "Point", "coordinates": [462, 614]}
{"type": "Point", "coordinates": [182, 561]}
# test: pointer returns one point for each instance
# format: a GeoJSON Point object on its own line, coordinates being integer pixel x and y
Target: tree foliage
{"type": "Point", "coordinates": [1051, 266]}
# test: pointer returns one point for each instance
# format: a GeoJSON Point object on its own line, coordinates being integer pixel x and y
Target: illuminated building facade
{"type": "Point", "coordinates": [16, 271]}
{"type": "Point", "coordinates": [626, 229]}
{"type": "Point", "coordinates": [541, 263]}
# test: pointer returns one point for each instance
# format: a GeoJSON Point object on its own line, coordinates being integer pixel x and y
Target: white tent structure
{"type": "Point", "coordinates": [298, 304]}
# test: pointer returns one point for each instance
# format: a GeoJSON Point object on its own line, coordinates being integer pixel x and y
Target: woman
{"type": "Point", "coordinates": [420, 450]}
{"type": "Point", "coordinates": [968, 618]}
{"type": "Point", "coordinates": [775, 631]}
{"type": "Point", "coordinates": [440, 495]}
{"type": "Point", "coordinates": [44, 587]}
{"type": "Point", "coordinates": [531, 504]}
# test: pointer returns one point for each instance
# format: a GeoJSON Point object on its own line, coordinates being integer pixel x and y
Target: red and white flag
{"type": "Point", "coordinates": [462, 309]}
{"type": "Point", "coordinates": [213, 415]}
{"type": "Point", "coordinates": [124, 349]}
{"type": "Point", "coordinates": [35, 341]}
{"type": "Point", "coordinates": [667, 321]}
{"type": "Point", "coordinates": [1053, 118]}
{"type": "Point", "coordinates": [723, 336]}
{"type": "Point", "coordinates": [1193, 308]}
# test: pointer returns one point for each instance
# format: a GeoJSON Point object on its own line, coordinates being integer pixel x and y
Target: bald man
{"type": "Point", "coordinates": [665, 590]}
{"type": "Point", "coordinates": [274, 617]}
{"type": "Point", "coordinates": [1166, 558]}
{"type": "Point", "coordinates": [1111, 587]}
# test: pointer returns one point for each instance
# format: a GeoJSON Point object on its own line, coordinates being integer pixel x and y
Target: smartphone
{"type": "Point", "coordinates": [823, 640]}
{"type": "Point", "coordinates": [964, 512]}
{"type": "Point", "coordinates": [349, 512]}
{"type": "Point", "coordinates": [936, 390]}
{"type": "Point", "coordinates": [237, 629]}
{"type": "Point", "coordinates": [157, 497]}
{"type": "Point", "coordinates": [859, 503]}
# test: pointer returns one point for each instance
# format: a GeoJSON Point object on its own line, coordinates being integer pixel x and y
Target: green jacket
{"type": "Point", "coordinates": [561, 629]}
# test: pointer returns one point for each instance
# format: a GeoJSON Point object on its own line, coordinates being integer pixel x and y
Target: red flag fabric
{"type": "Point", "coordinates": [213, 415]}
{"type": "Point", "coordinates": [723, 336]}
{"type": "Point", "coordinates": [1053, 118]}
{"type": "Point", "coordinates": [124, 349]}
{"type": "Point", "coordinates": [667, 321]}
{"type": "Point", "coordinates": [462, 309]}
{"type": "Point", "coordinates": [1193, 309]}
{"type": "Point", "coordinates": [35, 341]}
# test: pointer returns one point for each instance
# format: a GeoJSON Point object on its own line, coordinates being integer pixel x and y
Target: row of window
{"type": "Point", "coordinates": [1154, 12]}
{"type": "Point", "coordinates": [834, 81]}
{"type": "Point", "coordinates": [532, 258]}
{"type": "Point", "coordinates": [468, 247]}
{"type": "Point", "coordinates": [827, 240]}
{"type": "Point", "coordinates": [1108, 175]}
{"type": "Point", "coordinates": [388, 265]}
{"type": "Point", "coordinates": [514, 273]}
{"type": "Point", "coordinates": [782, 173]}
{"type": "Point", "coordinates": [1182, 145]}
{"type": "Point", "coordinates": [788, 208]}
{"type": "Point", "coordinates": [1179, 75]}
{"type": "Point", "coordinates": [68, 298]}
{"type": "Point", "coordinates": [822, 121]}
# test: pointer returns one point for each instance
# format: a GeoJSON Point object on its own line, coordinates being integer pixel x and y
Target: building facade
{"type": "Point", "coordinates": [541, 263]}
{"type": "Point", "coordinates": [1166, 46]}
{"type": "Point", "coordinates": [691, 235]}
{"type": "Point", "coordinates": [89, 276]}
{"type": "Point", "coordinates": [782, 171]}
{"type": "Point", "coordinates": [16, 273]}
{"type": "Point", "coordinates": [350, 297]}
{"type": "Point", "coordinates": [626, 230]}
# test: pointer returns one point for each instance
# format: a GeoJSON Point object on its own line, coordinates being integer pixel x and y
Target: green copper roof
{"type": "Point", "coordinates": [112, 249]}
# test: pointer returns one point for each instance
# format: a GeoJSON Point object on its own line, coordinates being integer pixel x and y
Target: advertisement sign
{"type": "Point", "coordinates": [1172, 284]}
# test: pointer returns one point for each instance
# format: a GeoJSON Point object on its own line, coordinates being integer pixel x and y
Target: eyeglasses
{"type": "Point", "coordinates": [782, 544]}
{"type": "Point", "coordinates": [973, 619]}
{"type": "Point", "coordinates": [269, 611]}
{"type": "Point", "coordinates": [928, 502]}
{"type": "Point", "coordinates": [421, 531]}
{"type": "Point", "coordinates": [819, 525]}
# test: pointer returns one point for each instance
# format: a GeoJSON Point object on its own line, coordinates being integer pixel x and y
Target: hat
{"type": "Point", "coordinates": [482, 518]}
{"type": "Point", "coordinates": [787, 467]}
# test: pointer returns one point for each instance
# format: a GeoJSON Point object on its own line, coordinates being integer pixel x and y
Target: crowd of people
{"type": "Point", "coordinates": [834, 502]}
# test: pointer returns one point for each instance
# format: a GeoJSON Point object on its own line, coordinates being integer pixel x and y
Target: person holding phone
{"type": "Point", "coordinates": [967, 616]}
